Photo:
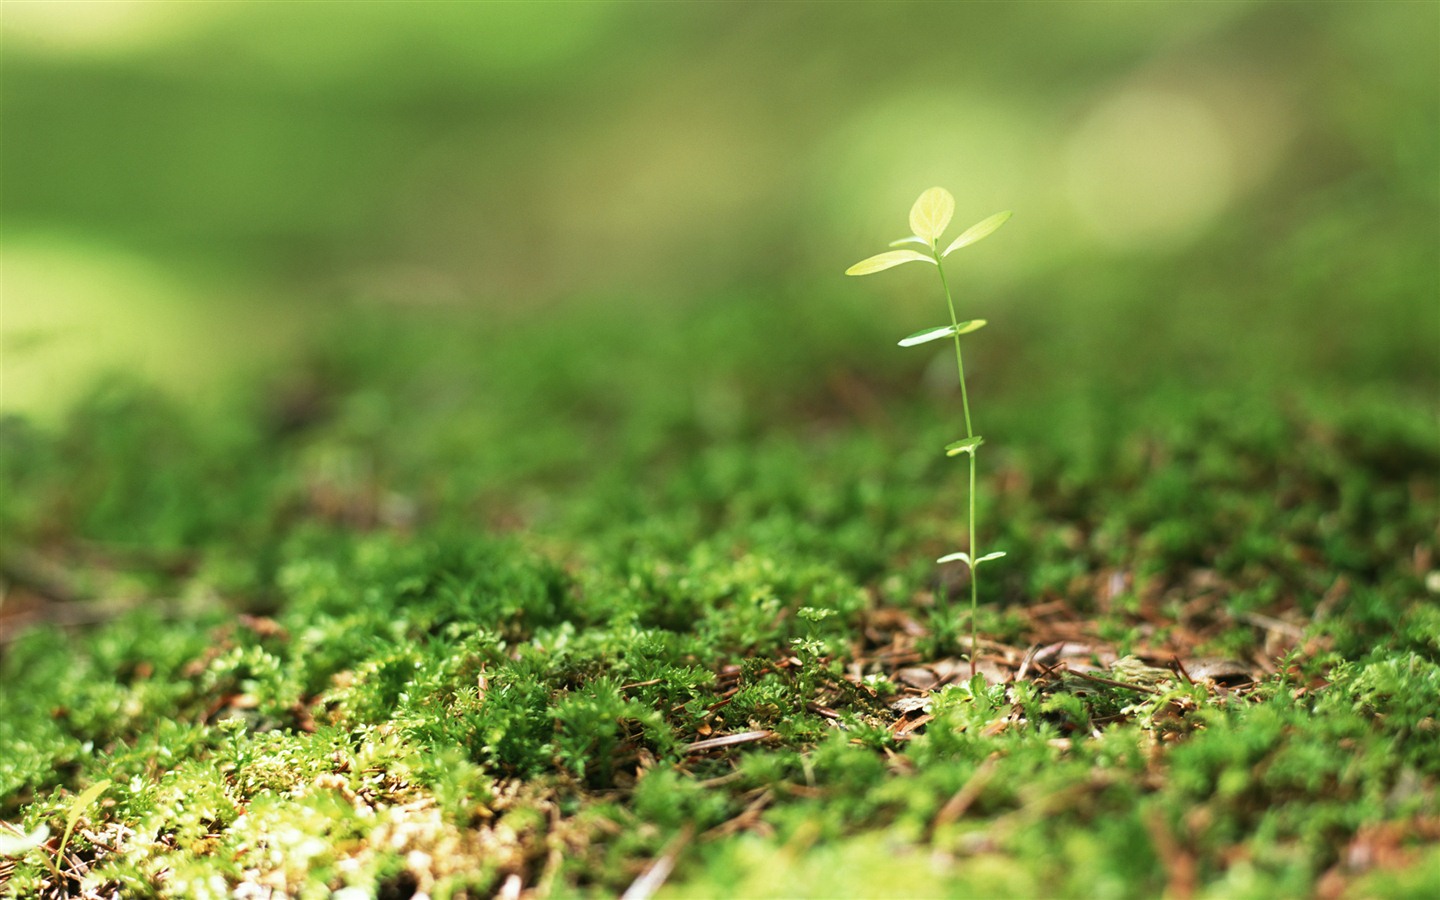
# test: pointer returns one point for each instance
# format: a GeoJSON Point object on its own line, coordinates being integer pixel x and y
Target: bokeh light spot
{"type": "Point", "coordinates": [1149, 168]}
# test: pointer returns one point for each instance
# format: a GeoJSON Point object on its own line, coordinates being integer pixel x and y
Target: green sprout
{"type": "Point", "coordinates": [928, 219]}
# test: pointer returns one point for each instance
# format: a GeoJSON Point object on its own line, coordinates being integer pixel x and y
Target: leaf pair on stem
{"type": "Point", "coordinates": [929, 218]}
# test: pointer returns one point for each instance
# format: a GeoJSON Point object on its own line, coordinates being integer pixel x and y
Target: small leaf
{"type": "Point", "coordinates": [20, 844]}
{"type": "Point", "coordinates": [883, 261]}
{"type": "Point", "coordinates": [955, 557]}
{"type": "Point", "coordinates": [966, 446]}
{"type": "Point", "coordinates": [931, 213]}
{"type": "Point", "coordinates": [978, 231]}
{"type": "Point", "coordinates": [912, 239]}
{"type": "Point", "coordinates": [989, 556]}
{"type": "Point", "coordinates": [926, 335]}
{"type": "Point", "coordinates": [77, 809]}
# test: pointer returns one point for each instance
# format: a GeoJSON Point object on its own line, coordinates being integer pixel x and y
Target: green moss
{"type": "Point", "coordinates": [401, 650]}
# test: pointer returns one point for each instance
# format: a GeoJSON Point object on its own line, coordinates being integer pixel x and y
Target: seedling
{"type": "Point", "coordinates": [19, 846]}
{"type": "Point", "coordinates": [928, 219]}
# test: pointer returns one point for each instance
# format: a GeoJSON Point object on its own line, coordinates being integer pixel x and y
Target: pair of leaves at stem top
{"type": "Point", "coordinates": [929, 218]}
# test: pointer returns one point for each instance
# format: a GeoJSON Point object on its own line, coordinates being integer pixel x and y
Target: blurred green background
{"type": "Point", "coordinates": [1226, 192]}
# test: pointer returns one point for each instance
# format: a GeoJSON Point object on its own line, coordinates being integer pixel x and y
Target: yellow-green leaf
{"type": "Point", "coordinates": [79, 804]}
{"type": "Point", "coordinates": [883, 261]}
{"type": "Point", "coordinates": [77, 809]}
{"type": "Point", "coordinates": [926, 335]}
{"type": "Point", "coordinates": [912, 239]}
{"type": "Point", "coordinates": [931, 213]}
{"type": "Point", "coordinates": [965, 558]}
{"type": "Point", "coordinates": [968, 445]}
{"type": "Point", "coordinates": [978, 231]}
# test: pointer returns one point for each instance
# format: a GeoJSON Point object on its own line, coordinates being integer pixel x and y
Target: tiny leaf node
{"type": "Point", "coordinates": [978, 231]}
{"type": "Point", "coordinates": [960, 556]}
{"type": "Point", "coordinates": [889, 260]}
{"type": "Point", "coordinates": [931, 213]}
{"type": "Point", "coordinates": [966, 446]}
{"type": "Point", "coordinates": [989, 556]}
{"type": "Point", "coordinates": [972, 325]}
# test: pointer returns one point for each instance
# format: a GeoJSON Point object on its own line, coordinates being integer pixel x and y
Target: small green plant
{"type": "Point", "coordinates": [929, 218]}
{"type": "Point", "coordinates": [812, 646]}
{"type": "Point", "coordinates": [73, 813]}
{"type": "Point", "coordinates": [811, 649]}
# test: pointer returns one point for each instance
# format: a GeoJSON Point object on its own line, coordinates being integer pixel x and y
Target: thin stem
{"type": "Point", "coordinates": [969, 433]}
{"type": "Point", "coordinates": [959, 358]}
{"type": "Point", "coordinates": [974, 570]}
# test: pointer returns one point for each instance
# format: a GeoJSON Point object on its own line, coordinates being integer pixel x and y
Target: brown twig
{"type": "Point", "coordinates": [956, 806]}
{"type": "Point", "coordinates": [1270, 623]}
{"type": "Point", "coordinates": [1134, 687]}
{"type": "Point", "coordinates": [554, 855]}
{"type": "Point", "coordinates": [747, 818]}
{"type": "Point", "coordinates": [35, 572]}
{"type": "Point", "coordinates": [1180, 667]}
{"type": "Point", "coordinates": [1178, 861]}
{"type": "Point", "coordinates": [76, 614]}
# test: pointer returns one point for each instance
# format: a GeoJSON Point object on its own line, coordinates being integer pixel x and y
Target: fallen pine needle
{"type": "Point", "coordinates": [1113, 683]}
{"type": "Point", "coordinates": [728, 740]}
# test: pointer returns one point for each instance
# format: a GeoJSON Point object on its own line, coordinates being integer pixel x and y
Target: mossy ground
{"type": "Point", "coordinates": [470, 611]}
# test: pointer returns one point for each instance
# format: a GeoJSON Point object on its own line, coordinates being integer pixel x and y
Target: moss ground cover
{"type": "Point", "coordinates": [469, 612]}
